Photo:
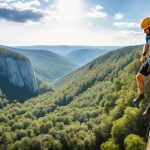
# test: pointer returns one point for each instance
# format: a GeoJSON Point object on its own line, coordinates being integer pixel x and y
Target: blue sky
{"type": "Point", "coordinates": [72, 22]}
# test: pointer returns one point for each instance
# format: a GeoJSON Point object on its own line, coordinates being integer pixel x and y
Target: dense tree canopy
{"type": "Point", "coordinates": [91, 109]}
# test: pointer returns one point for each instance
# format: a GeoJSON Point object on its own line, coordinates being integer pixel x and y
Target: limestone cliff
{"type": "Point", "coordinates": [16, 71]}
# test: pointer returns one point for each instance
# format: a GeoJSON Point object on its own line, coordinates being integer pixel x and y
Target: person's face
{"type": "Point", "coordinates": [147, 31]}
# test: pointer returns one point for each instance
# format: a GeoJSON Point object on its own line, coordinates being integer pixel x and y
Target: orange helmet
{"type": "Point", "coordinates": [145, 23]}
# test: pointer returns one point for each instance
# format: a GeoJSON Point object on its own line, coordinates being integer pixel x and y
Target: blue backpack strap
{"type": "Point", "coordinates": [148, 61]}
{"type": "Point", "coordinates": [148, 39]}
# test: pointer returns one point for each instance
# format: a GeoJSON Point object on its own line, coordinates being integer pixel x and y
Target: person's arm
{"type": "Point", "coordinates": [145, 50]}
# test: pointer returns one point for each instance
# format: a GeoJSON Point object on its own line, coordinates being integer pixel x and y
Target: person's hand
{"type": "Point", "coordinates": [143, 59]}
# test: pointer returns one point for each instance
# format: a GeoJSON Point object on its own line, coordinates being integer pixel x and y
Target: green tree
{"type": "Point", "coordinates": [134, 142]}
{"type": "Point", "coordinates": [129, 123]}
{"type": "Point", "coordinates": [109, 145]}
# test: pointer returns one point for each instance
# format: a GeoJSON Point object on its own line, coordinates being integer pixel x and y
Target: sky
{"type": "Point", "coordinates": [72, 22]}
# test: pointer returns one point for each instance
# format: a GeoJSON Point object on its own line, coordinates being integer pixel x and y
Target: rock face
{"type": "Point", "coordinates": [18, 72]}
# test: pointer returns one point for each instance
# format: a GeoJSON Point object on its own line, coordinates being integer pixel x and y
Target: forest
{"type": "Point", "coordinates": [89, 109]}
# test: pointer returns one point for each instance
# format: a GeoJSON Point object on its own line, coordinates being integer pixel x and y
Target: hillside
{"type": "Point", "coordinates": [8, 53]}
{"type": "Point", "coordinates": [49, 65]}
{"type": "Point", "coordinates": [90, 110]}
{"type": "Point", "coordinates": [84, 56]}
{"type": "Point", "coordinates": [105, 62]}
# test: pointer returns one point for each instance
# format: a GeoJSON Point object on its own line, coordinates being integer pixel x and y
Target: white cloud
{"type": "Point", "coordinates": [21, 11]}
{"type": "Point", "coordinates": [120, 24]}
{"type": "Point", "coordinates": [133, 25]}
{"type": "Point", "coordinates": [96, 12]}
{"type": "Point", "coordinates": [127, 34]}
{"type": "Point", "coordinates": [98, 7]}
{"type": "Point", "coordinates": [126, 24]}
{"type": "Point", "coordinates": [90, 24]}
{"type": "Point", "coordinates": [48, 15]}
{"type": "Point", "coordinates": [20, 5]}
{"type": "Point", "coordinates": [7, 1]}
{"type": "Point", "coordinates": [119, 16]}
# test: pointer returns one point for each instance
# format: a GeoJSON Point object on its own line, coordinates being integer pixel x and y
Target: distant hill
{"type": "Point", "coordinates": [65, 49]}
{"type": "Point", "coordinates": [83, 56]}
{"type": "Point", "coordinates": [48, 65]}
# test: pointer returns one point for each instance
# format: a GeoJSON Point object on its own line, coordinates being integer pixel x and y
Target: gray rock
{"type": "Point", "coordinates": [19, 72]}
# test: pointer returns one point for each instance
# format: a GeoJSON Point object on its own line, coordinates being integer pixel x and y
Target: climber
{"type": "Point", "coordinates": [145, 68]}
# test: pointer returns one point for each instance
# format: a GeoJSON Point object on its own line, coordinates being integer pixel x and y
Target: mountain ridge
{"type": "Point", "coordinates": [64, 49]}
{"type": "Point", "coordinates": [84, 56]}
